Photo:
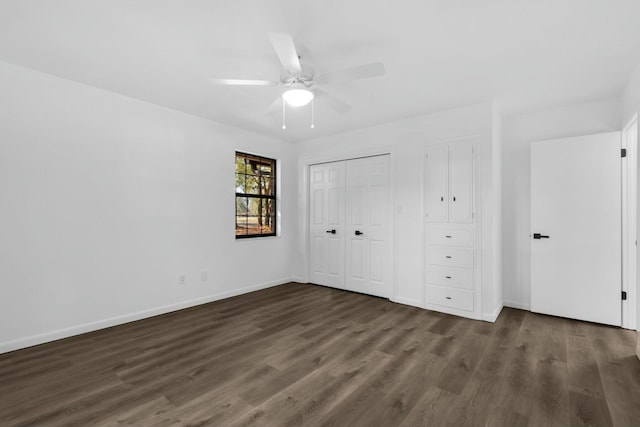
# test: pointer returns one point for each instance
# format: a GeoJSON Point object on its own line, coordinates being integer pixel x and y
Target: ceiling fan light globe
{"type": "Point", "coordinates": [297, 97]}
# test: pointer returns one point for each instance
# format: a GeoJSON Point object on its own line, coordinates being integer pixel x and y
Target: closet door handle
{"type": "Point", "coordinates": [359, 233]}
{"type": "Point", "coordinates": [441, 198]}
{"type": "Point", "coordinates": [331, 231]}
{"type": "Point", "coordinates": [454, 198]}
{"type": "Point", "coordinates": [539, 236]}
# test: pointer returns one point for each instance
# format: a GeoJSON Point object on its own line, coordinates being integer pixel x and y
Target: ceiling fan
{"type": "Point", "coordinates": [300, 82]}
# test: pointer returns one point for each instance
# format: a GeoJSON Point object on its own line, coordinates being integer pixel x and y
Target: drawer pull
{"type": "Point", "coordinates": [447, 277]}
{"type": "Point", "coordinates": [448, 237]}
{"type": "Point", "coordinates": [448, 256]}
{"type": "Point", "coordinates": [448, 297]}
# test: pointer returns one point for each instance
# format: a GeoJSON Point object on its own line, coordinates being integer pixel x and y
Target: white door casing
{"type": "Point", "coordinates": [629, 224]}
{"type": "Point", "coordinates": [576, 202]}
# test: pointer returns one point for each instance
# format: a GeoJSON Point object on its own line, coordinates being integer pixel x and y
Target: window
{"type": "Point", "coordinates": [255, 196]}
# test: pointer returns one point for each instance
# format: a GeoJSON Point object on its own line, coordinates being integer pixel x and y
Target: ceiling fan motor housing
{"type": "Point", "coordinates": [302, 79]}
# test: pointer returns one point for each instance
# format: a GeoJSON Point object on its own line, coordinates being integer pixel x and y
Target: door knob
{"type": "Point", "coordinates": [539, 236]}
{"type": "Point", "coordinates": [358, 233]}
{"type": "Point", "coordinates": [331, 231]}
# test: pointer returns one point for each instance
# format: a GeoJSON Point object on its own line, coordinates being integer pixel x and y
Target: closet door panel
{"type": "Point", "coordinates": [368, 261]}
{"type": "Point", "coordinates": [327, 228]}
{"type": "Point", "coordinates": [436, 177]}
{"type": "Point", "coordinates": [460, 183]}
{"type": "Point", "coordinates": [358, 209]}
{"type": "Point", "coordinates": [378, 230]}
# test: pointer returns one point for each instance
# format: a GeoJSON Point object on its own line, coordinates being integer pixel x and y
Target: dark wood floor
{"type": "Point", "coordinates": [307, 355]}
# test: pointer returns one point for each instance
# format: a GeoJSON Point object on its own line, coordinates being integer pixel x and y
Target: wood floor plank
{"type": "Point", "coordinates": [584, 373]}
{"type": "Point", "coordinates": [304, 355]}
{"type": "Point", "coordinates": [551, 394]}
{"type": "Point", "coordinates": [588, 411]}
{"type": "Point", "coordinates": [477, 401]}
{"type": "Point", "coordinates": [435, 408]}
{"type": "Point", "coordinates": [462, 363]}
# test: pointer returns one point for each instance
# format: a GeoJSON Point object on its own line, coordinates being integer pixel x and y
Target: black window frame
{"type": "Point", "coordinates": [272, 196]}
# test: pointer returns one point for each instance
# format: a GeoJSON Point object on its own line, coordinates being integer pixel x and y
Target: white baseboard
{"type": "Point", "coordinates": [299, 280]}
{"type": "Point", "coordinates": [407, 301]}
{"type": "Point", "coordinates": [519, 305]}
{"type": "Point", "coordinates": [491, 317]}
{"type": "Point", "coordinates": [119, 320]}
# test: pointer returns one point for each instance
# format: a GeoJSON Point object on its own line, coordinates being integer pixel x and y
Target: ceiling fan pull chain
{"type": "Point", "coordinates": [312, 113]}
{"type": "Point", "coordinates": [284, 125]}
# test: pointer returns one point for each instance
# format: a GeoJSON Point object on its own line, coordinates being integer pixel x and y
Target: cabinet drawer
{"type": "Point", "coordinates": [450, 297]}
{"type": "Point", "coordinates": [450, 234]}
{"type": "Point", "coordinates": [450, 276]}
{"type": "Point", "coordinates": [451, 257]}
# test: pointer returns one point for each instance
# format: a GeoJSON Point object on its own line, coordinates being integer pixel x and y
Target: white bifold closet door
{"type": "Point", "coordinates": [349, 215]}
{"type": "Point", "coordinates": [327, 217]}
{"type": "Point", "coordinates": [367, 252]}
{"type": "Point", "coordinates": [576, 228]}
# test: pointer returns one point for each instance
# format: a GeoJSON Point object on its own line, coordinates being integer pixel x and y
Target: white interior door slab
{"type": "Point", "coordinates": [327, 213]}
{"type": "Point", "coordinates": [576, 228]}
{"type": "Point", "coordinates": [368, 257]}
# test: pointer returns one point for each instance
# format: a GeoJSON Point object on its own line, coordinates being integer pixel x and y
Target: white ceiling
{"type": "Point", "coordinates": [439, 54]}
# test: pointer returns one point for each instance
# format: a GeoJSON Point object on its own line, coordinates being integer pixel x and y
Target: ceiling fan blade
{"type": "Point", "coordinates": [361, 72]}
{"type": "Point", "coordinates": [237, 82]}
{"type": "Point", "coordinates": [332, 102]}
{"type": "Point", "coordinates": [274, 107]}
{"type": "Point", "coordinates": [286, 51]}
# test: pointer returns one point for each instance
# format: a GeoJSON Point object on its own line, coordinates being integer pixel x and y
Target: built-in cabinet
{"type": "Point", "coordinates": [449, 183]}
{"type": "Point", "coordinates": [451, 250]}
{"type": "Point", "coordinates": [350, 225]}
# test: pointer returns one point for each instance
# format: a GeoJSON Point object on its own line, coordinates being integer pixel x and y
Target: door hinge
{"type": "Point", "coordinates": [624, 295]}
{"type": "Point", "coordinates": [623, 152]}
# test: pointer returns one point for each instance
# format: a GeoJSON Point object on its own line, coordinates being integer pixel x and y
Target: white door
{"type": "Point", "coordinates": [576, 228]}
{"type": "Point", "coordinates": [436, 174]}
{"type": "Point", "coordinates": [368, 257]}
{"type": "Point", "coordinates": [461, 183]}
{"type": "Point", "coordinates": [327, 214]}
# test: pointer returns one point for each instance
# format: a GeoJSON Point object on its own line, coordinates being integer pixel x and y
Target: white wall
{"type": "Point", "coordinates": [631, 95]}
{"type": "Point", "coordinates": [519, 132]}
{"type": "Point", "coordinates": [105, 200]}
{"type": "Point", "coordinates": [406, 140]}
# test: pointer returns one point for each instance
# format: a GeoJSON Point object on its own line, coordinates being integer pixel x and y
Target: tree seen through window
{"type": "Point", "coordinates": [255, 196]}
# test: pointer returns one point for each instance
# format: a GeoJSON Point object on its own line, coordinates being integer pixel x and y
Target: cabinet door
{"type": "Point", "coordinates": [460, 183]}
{"type": "Point", "coordinates": [436, 184]}
{"type": "Point", "coordinates": [327, 213]}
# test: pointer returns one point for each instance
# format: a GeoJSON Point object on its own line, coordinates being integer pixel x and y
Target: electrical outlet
{"type": "Point", "coordinates": [204, 276]}
{"type": "Point", "coordinates": [182, 280]}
